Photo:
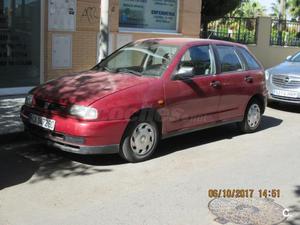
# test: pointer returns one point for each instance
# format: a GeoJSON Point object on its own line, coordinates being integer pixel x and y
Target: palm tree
{"type": "Point", "coordinates": [250, 9]}
{"type": "Point", "coordinates": [279, 8]}
{"type": "Point", "coordinates": [294, 8]}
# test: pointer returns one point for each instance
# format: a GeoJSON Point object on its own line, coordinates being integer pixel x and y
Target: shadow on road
{"type": "Point", "coordinates": [207, 136]}
{"type": "Point", "coordinates": [23, 159]}
{"type": "Point", "coordinates": [285, 107]}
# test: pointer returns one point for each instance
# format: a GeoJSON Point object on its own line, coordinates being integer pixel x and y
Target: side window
{"type": "Point", "coordinates": [251, 62]}
{"type": "Point", "coordinates": [229, 59]}
{"type": "Point", "coordinates": [198, 60]}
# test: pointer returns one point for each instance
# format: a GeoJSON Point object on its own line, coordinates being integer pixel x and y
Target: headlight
{"type": "Point", "coordinates": [83, 112]}
{"type": "Point", "coordinates": [267, 75]}
{"type": "Point", "coordinates": [29, 100]}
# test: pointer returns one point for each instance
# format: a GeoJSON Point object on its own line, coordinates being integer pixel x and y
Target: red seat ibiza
{"type": "Point", "coordinates": [147, 91]}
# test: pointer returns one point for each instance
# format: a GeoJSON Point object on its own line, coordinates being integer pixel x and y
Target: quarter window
{"type": "Point", "coordinates": [251, 62]}
{"type": "Point", "coordinates": [198, 60]}
{"type": "Point", "coordinates": [229, 59]}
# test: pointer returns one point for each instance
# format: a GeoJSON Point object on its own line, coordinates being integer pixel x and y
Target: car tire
{"type": "Point", "coordinates": [252, 118]}
{"type": "Point", "coordinates": [140, 141]}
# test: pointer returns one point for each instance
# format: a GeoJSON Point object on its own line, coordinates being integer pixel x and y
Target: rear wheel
{"type": "Point", "coordinates": [140, 141]}
{"type": "Point", "coordinates": [252, 118]}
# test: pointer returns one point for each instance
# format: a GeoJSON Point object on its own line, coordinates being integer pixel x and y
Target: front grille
{"type": "Point", "coordinates": [286, 81]}
{"type": "Point", "coordinates": [286, 98]}
{"type": "Point", "coordinates": [50, 106]}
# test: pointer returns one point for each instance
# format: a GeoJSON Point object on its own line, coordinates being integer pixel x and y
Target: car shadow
{"type": "Point", "coordinates": [284, 107]}
{"type": "Point", "coordinates": [182, 142]}
{"type": "Point", "coordinates": [23, 159]}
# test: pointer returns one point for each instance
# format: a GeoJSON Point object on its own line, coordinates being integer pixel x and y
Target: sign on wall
{"type": "Point", "coordinates": [61, 51]}
{"type": "Point", "coordinates": [62, 15]}
{"type": "Point", "coordinates": [149, 14]}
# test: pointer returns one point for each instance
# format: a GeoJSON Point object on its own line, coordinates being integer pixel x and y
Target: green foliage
{"type": "Point", "coordinates": [294, 8]}
{"type": "Point", "coordinates": [249, 9]}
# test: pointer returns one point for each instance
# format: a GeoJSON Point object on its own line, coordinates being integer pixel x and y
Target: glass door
{"type": "Point", "coordinates": [20, 32]}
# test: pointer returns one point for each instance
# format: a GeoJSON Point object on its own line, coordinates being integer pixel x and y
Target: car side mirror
{"type": "Point", "coordinates": [184, 73]}
{"type": "Point", "coordinates": [288, 58]}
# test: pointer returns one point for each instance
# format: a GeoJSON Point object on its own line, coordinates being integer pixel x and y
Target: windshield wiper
{"type": "Point", "coordinates": [109, 69]}
{"type": "Point", "coordinates": [124, 70]}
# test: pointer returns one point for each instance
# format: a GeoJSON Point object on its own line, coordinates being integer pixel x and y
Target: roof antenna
{"type": "Point", "coordinates": [210, 35]}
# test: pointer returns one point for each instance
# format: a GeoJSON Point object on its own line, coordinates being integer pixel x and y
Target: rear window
{"type": "Point", "coordinates": [229, 59]}
{"type": "Point", "coordinates": [251, 62]}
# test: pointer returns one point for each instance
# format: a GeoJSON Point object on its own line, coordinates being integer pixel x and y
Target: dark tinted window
{"type": "Point", "coordinates": [197, 58]}
{"type": "Point", "coordinates": [252, 64]}
{"type": "Point", "coordinates": [229, 59]}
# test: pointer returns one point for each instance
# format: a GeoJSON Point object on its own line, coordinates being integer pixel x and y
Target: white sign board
{"type": "Point", "coordinates": [62, 15]}
{"type": "Point", "coordinates": [149, 15]}
{"type": "Point", "coordinates": [61, 51]}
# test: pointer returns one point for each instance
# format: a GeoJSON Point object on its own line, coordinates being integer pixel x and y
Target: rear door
{"type": "Point", "coordinates": [236, 82]}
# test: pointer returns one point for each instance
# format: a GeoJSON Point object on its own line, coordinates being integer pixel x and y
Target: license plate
{"type": "Point", "coordinates": [290, 94]}
{"type": "Point", "coordinates": [42, 122]}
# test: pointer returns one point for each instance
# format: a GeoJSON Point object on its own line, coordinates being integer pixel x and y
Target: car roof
{"type": "Point", "coordinates": [189, 41]}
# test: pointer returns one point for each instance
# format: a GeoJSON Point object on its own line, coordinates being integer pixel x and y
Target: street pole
{"type": "Point", "coordinates": [104, 30]}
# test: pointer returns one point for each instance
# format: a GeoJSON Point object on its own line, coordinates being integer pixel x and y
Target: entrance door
{"type": "Point", "coordinates": [19, 44]}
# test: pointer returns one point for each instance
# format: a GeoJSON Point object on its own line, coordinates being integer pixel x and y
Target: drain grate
{"type": "Point", "coordinates": [250, 211]}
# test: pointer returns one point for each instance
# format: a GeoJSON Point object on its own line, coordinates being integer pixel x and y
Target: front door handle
{"type": "Point", "coordinates": [215, 84]}
{"type": "Point", "coordinates": [249, 79]}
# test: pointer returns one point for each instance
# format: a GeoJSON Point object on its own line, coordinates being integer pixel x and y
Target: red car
{"type": "Point", "coordinates": [146, 91]}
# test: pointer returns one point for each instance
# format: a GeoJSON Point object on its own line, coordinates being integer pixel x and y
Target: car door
{"type": "Point", "coordinates": [235, 82]}
{"type": "Point", "coordinates": [193, 102]}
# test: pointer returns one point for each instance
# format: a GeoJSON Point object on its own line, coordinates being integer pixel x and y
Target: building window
{"type": "Point", "coordinates": [149, 15]}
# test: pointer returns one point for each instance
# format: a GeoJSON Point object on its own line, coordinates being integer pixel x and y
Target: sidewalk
{"type": "Point", "coordinates": [10, 121]}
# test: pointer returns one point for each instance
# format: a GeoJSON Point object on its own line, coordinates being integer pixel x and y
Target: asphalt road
{"type": "Point", "coordinates": [43, 186]}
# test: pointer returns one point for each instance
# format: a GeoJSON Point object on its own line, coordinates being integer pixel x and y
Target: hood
{"type": "Point", "coordinates": [86, 87]}
{"type": "Point", "coordinates": [286, 68]}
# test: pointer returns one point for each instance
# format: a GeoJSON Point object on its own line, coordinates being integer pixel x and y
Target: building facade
{"type": "Point", "coordinates": [44, 39]}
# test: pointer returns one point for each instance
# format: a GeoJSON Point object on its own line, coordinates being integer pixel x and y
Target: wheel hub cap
{"type": "Point", "coordinates": [143, 139]}
{"type": "Point", "coordinates": [254, 116]}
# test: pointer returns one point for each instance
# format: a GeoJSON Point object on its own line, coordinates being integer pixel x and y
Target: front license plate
{"type": "Point", "coordinates": [290, 94]}
{"type": "Point", "coordinates": [42, 122]}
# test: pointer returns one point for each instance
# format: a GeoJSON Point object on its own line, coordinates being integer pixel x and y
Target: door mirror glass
{"type": "Point", "coordinates": [184, 73]}
{"type": "Point", "coordinates": [288, 58]}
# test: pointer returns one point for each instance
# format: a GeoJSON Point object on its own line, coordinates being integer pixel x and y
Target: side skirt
{"type": "Point", "coordinates": [211, 125]}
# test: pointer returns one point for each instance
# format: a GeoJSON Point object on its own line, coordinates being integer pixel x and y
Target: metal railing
{"type": "Point", "coordinates": [285, 33]}
{"type": "Point", "coordinates": [235, 29]}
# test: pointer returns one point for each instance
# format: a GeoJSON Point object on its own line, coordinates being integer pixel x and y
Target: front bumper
{"type": "Point", "coordinates": [68, 143]}
{"type": "Point", "coordinates": [71, 135]}
{"type": "Point", "coordinates": [276, 98]}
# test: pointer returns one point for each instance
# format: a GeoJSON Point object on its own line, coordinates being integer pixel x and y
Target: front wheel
{"type": "Point", "coordinates": [140, 141]}
{"type": "Point", "coordinates": [252, 118]}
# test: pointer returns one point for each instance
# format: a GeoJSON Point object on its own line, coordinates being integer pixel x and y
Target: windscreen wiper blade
{"type": "Point", "coordinates": [124, 70]}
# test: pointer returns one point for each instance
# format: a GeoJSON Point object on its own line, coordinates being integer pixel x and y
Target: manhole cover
{"type": "Point", "coordinates": [247, 211]}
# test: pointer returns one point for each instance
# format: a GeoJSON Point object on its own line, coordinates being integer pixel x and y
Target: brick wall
{"type": "Point", "coordinates": [87, 29]}
{"type": "Point", "coordinates": [84, 40]}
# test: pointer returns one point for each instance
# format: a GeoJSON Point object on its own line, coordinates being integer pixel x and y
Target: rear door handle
{"type": "Point", "coordinates": [249, 79]}
{"type": "Point", "coordinates": [216, 84]}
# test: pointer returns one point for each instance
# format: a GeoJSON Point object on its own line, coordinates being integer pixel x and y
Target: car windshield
{"type": "Point", "coordinates": [146, 58]}
{"type": "Point", "coordinates": [295, 58]}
